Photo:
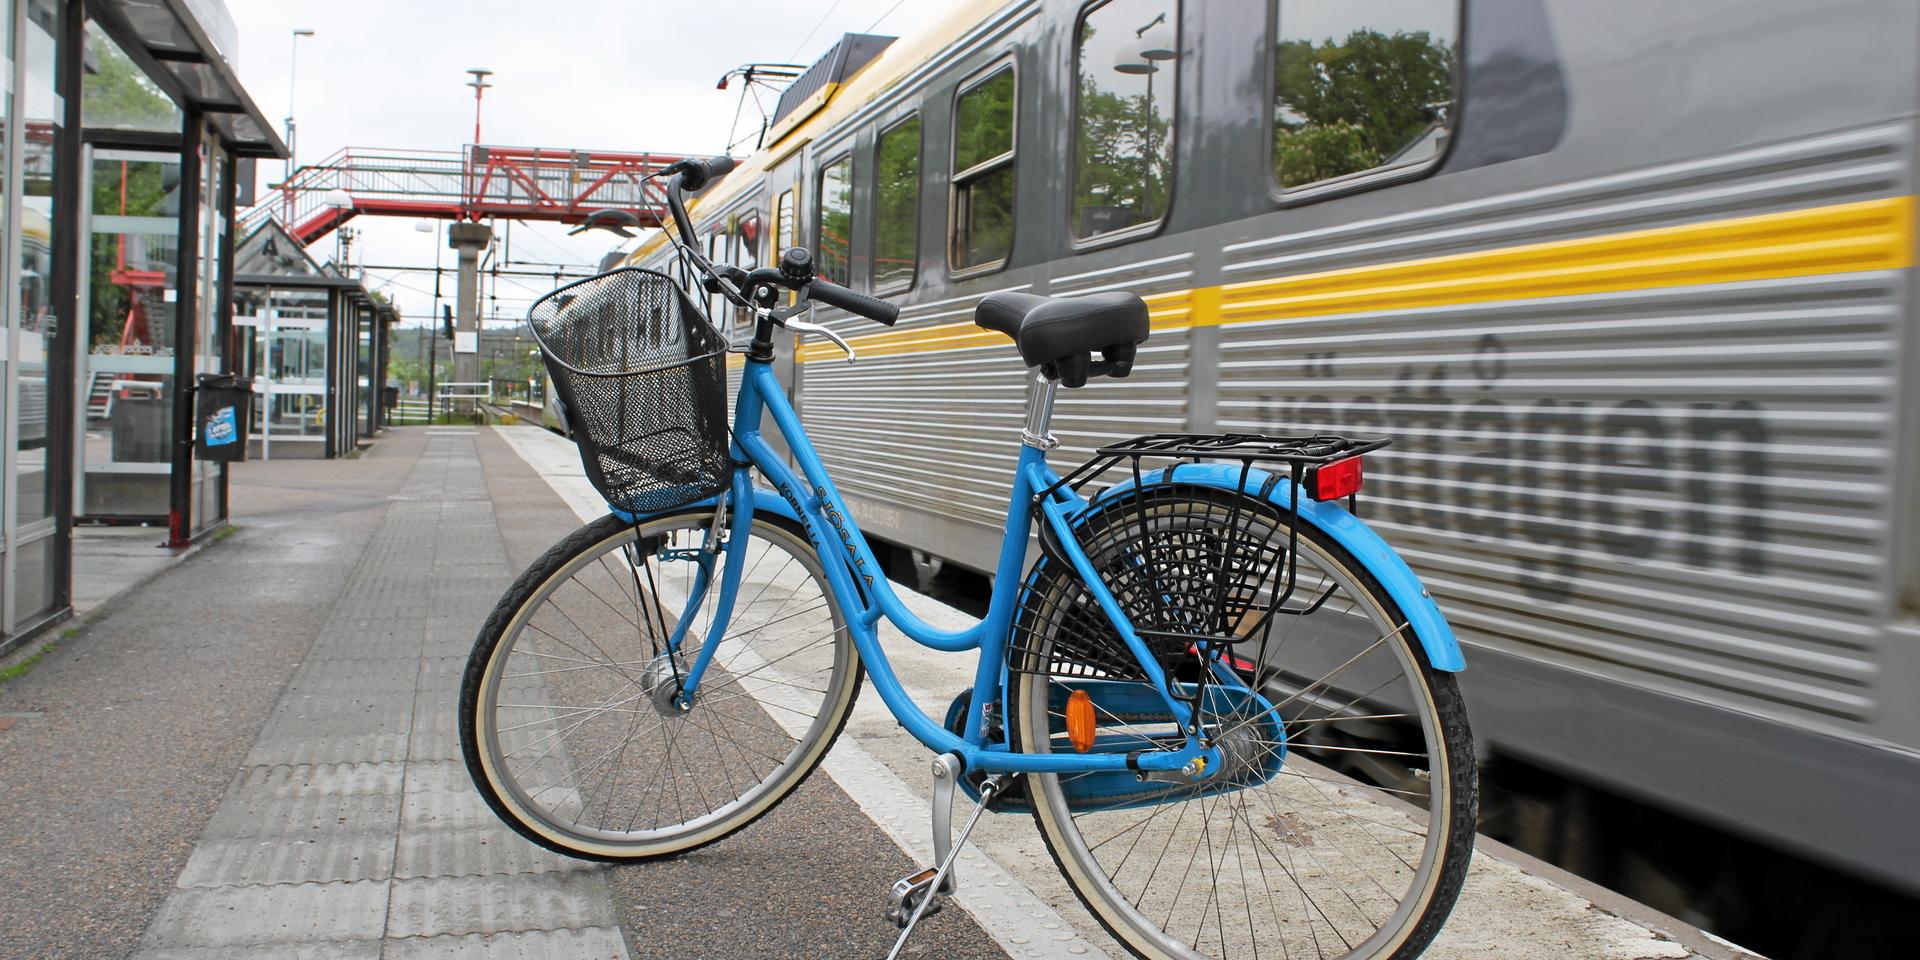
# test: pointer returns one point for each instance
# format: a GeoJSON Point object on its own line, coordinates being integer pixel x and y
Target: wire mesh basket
{"type": "Point", "coordinates": [641, 379]}
{"type": "Point", "coordinates": [1200, 569]}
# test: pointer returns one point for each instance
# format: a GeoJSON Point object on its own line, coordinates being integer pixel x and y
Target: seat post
{"type": "Point", "coordinates": [1037, 433]}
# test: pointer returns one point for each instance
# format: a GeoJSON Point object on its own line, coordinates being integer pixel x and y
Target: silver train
{"type": "Point", "coordinates": [1630, 284]}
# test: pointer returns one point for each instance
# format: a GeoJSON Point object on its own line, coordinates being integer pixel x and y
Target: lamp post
{"type": "Point", "coordinates": [293, 75]}
{"type": "Point", "coordinates": [1157, 43]}
{"type": "Point", "coordinates": [479, 84]}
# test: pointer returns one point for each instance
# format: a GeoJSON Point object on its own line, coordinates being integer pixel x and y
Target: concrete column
{"type": "Point", "coordinates": [469, 241]}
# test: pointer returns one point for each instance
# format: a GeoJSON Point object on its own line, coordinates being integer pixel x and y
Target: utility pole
{"type": "Point", "coordinates": [479, 84]}
{"type": "Point", "coordinates": [292, 76]}
{"type": "Point", "coordinates": [433, 360]}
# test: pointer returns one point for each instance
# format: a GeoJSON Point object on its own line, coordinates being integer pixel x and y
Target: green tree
{"type": "Point", "coordinates": [117, 95]}
{"type": "Point", "coordinates": [896, 216]}
{"type": "Point", "coordinates": [1352, 105]}
{"type": "Point", "coordinates": [983, 130]}
{"type": "Point", "coordinates": [1123, 153]}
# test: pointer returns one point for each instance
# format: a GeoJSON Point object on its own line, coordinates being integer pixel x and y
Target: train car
{"type": "Point", "coordinates": [1629, 284]}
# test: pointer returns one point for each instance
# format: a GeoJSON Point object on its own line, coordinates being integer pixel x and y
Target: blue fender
{"type": "Point", "coordinates": [764, 501]}
{"type": "Point", "coordinates": [1435, 635]}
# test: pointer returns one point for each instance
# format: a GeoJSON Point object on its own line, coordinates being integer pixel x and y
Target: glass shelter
{"type": "Point", "coordinates": [125, 142]}
{"type": "Point", "coordinates": [314, 344]}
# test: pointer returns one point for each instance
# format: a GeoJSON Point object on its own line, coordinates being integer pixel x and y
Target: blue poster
{"type": "Point", "coordinates": [221, 428]}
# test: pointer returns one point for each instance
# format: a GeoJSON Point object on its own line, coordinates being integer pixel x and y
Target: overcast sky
{"type": "Point", "coordinates": [568, 74]}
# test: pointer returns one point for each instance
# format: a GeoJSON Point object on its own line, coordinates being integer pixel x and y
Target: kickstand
{"type": "Point", "coordinates": [921, 892]}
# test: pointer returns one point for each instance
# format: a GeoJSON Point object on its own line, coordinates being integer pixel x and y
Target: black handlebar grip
{"type": "Point", "coordinates": [695, 173]}
{"type": "Point", "coordinates": [834, 295]}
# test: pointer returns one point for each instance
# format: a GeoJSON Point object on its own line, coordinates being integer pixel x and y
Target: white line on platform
{"type": "Point", "coordinates": [1006, 908]}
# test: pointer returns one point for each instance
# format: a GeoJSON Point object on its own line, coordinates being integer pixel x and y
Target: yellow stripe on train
{"type": "Point", "coordinates": [1842, 238]}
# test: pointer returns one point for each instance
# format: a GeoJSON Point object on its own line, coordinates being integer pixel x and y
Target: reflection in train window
{"type": "Point", "coordinates": [785, 232]}
{"type": "Point", "coordinates": [896, 203]}
{"type": "Point", "coordinates": [717, 253]}
{"type": "Point", "coordinates": [745, 254]}
{"type": "Point", "coordinates": [983, 173]}
{"type": "Point", "coordinates": [746, 251]}
{"type": "Point", "coordinates": [836, 220]}
{"type": "Point", "coordinates": [1126, 64]}
{"type": "Point", "coordinates": [1360, 87]}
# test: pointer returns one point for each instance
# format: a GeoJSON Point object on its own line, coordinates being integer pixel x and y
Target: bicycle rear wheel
{"type": "Point", "coordinates": [566, 719]}
{"type": "Point", "coordinates": [1343, 822]}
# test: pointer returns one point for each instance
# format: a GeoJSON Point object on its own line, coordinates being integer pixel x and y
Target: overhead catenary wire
{"type": "Point", "coordinates": [876, 22]}
{"type": "Point", "coordinates": [802, 45]}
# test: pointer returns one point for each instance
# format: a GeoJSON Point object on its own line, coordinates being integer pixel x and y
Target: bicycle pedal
{"type": "Point", "coordinates": [906, 895]}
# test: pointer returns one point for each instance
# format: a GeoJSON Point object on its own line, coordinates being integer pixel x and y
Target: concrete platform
{"type": "Point", "coordinates": [254, 754]}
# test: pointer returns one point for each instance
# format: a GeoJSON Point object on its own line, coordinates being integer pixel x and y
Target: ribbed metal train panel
{"type": "Point", "coordinates": [1684, 487]}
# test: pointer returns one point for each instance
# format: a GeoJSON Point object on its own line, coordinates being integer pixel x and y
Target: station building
{"type": "Point", "coordinates": [127, 142]}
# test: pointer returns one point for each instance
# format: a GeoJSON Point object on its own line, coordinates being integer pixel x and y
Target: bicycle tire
{"type": "Point", "coordinates": [1430, 896]}
{"type": "Point", "coordinates": [481, 732]}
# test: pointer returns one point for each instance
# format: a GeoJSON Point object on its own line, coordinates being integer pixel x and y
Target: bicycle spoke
{"type": "Point", "coordinates": [1206, 867]}
{"type": "Point", "coordinates": [579, 733]}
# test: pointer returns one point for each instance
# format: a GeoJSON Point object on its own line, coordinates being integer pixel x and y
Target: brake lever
{"type": "Point", "coordinates": [803, 326]}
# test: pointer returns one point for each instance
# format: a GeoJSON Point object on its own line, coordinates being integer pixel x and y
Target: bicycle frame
{"type": "Point", "coordinates": [864, 595]}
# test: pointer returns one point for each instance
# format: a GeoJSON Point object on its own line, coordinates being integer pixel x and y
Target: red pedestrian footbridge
{"type": "Point", "coordinates": [474, 183]}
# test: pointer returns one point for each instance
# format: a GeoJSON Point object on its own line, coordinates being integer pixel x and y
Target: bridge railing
{"type": "Point", "coordinates": [522, 183]}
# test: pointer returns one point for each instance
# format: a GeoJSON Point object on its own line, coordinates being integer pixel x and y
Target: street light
{"type": "Point", "coordinates": [479, 84]}
{"type": "Point", "coordinates": [293, 75]}
{"type": "Point", "coordinates": [1157, 43]}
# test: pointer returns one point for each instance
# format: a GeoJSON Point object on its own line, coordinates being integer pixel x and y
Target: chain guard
{"type": "Point", "coordinates": [1254, 753]}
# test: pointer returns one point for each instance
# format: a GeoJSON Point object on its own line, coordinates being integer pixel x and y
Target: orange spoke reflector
{"type": "Point", "coordinates": [1080, 721]}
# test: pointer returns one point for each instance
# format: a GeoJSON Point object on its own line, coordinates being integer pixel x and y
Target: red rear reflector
{"type": "Point", "coordinates": [1332, 481]}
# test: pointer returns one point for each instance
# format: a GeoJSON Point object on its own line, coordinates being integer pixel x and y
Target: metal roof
{"type": "Point", "coordinates": [186, 47]}
{"type": "Point", "coordinates": [811, 90]}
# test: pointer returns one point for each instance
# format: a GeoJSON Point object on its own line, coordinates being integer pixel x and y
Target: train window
{"type": "Point", "coordinates": [1125, 61]}
{"type": "Point", "coordinates": [836, 220]}
{"type": "Point", "coordinates": [747, 242]}
{"type": "Point", "coordinates": [785, 231]}
{"type": "Point", "coordinates": [982, 182]}
{"type": "Point", "coordinates": [717, 253]}
{"type": "Point", "coordinates": [746, 255]}
{"type": "Point", "coordinates": [1360, 88]}
{"type": "Point", "coordinates": [896, 207]}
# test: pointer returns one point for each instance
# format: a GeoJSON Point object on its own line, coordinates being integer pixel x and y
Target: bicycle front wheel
{"type": "Point", "coordinates": [567, 719]}
{"type": "Point", "coordinates": [1343, 822]}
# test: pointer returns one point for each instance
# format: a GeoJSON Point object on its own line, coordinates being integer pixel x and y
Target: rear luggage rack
{"type": "Point", "coordinates": [1198, 568]}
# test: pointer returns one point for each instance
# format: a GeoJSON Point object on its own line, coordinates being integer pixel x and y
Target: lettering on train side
{"type": "Point", "coordinates": [1635, 479]}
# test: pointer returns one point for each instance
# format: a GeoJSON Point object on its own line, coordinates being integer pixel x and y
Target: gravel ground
{"type": "Point", "coordinates": [808, 880]}
{"type": "Point", "coordinates": [124, 737]}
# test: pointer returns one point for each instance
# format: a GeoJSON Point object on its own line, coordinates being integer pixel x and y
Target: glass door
{"type": "Point", "coordinates": [129, 286]}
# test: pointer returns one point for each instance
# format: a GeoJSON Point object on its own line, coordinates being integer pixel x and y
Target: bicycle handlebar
{"type": "Point", "coordinates": [796, 264]}
{"type": "Point", "coordinates": [695, 173]}
{"type": "Point", "coordinates": [835, 295]}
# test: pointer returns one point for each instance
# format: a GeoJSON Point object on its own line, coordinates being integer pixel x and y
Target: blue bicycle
{"type": "Point", "coordinates": [1228, 705]}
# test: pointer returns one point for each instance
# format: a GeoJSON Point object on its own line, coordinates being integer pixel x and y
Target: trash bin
{"type": "Point", "coordinates": [223, 410]}
{"type": "Point", "coordinates": [389, 397]}
{"type": "Point", "coordinates": [139, 429]}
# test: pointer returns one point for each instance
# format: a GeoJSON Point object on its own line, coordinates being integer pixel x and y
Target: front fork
{"type": "Point", "coordinates": [738, 524]}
